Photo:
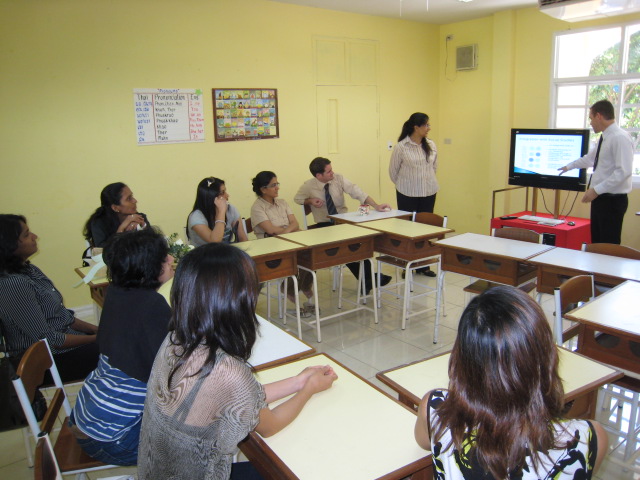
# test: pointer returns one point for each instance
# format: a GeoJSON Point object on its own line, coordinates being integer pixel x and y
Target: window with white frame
{"type": "Point", "coordinates": [597, 64]}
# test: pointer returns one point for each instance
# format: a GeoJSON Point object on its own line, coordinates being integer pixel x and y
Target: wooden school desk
{"type": "Point", "coordinates": [275, 258]}
{"type": "Point", "coordinates": [329, 247]}
{"type": "Point", "coordinates": [410, 241]}
{"type": "Point", "coordinates": [97, 287]}
{"type": "Point", "coordinates": [355, 218]}
{"type": "Point", "coordinates": [581, 378]}
{"type": "Point", "coordinates": [615, 312]}
{"type": "Point", "coordinates": [556, 265]}
{"type": "Point", "coordinates": [352, 430]}
{"type": "Point", "coordinates": [500, 260]}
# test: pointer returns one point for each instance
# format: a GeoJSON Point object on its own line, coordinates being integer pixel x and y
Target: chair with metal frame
{"type": "Point", "coordinates": [30, 373]}
{"type": "Point", "coordinates": [569, 295]}
{"type": "Point", "coordinates": [512, 233]}
{"type": "Point", "coordinates": [409, 267]}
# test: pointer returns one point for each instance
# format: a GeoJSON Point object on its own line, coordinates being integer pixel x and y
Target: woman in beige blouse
{"type": "Point", "coordinates": [271, 216]}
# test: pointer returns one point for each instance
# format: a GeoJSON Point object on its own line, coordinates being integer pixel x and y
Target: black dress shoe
{"type": "Point", "coordinates": [384, 280]}
{"type": "Point", "coordinates": [426, 271]}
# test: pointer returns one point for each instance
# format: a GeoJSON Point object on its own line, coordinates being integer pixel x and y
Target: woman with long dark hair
{"type": "Point", "coordinates": [118, 212]}
{"type": "Point", "coordinates": [412, 169]}
{"type": "Point", "coordinates": [501, 417]}
{"type": "Point", "coordinates": [213, 218]}
{"type": "Point", "coordinates": [202, 397]}
{"type": "Point", "coordinates": [413, 165]}
{"type": "Point", "coordinates": [31, 308]}
{"type": "Point", "coordinates": [107, 415]}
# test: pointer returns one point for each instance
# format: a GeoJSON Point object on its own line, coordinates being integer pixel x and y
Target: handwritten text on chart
{"type": "Point", "coordinates": [168, 116]}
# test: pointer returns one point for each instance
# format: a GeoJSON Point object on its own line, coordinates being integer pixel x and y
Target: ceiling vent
{"type": "Point", "coordinates": [579, 10]}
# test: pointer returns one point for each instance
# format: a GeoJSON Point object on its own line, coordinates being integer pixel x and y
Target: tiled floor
{"type": "Point", "coordinates": [360, 344]}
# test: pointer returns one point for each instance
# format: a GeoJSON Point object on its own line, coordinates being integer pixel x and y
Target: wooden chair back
{"type": "Point", "coordinates": [29, 374]}
{"type": "Point", "coordinates": [246, 224]}
{"type": "Point", "coordinates": [522, 234]}
{"type": "Point", "coordinates": [430, 219]}
{"type": "Point", "coordinates": [613, 250]}
{"type": "Point", "coordinates": [45, 465]}
{"type": "Point", "coordinates": [568, 296]}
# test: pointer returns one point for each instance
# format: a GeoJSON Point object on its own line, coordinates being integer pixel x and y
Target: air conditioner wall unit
{"type": "Point", "coordinates": [579, 10]}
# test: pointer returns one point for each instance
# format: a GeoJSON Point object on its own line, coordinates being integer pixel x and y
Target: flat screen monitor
{"type": "Point", "coordinates": [537, 154]}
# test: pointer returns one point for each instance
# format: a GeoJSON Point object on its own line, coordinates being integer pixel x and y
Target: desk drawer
{"type": "Point", "coordinates": [488, 267]}
{"type": "Point", "coordinates": [405, 248]}
{"type": "Point", "coordinates": [337, 253]}
{"type": "Point", "coordinates": [276, 265]}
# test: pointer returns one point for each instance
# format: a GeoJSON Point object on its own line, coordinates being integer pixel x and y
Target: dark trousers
{"type": "Point", "coordinates": [244, 471]}
{"type": "Point", "coordinates": [416, 204]}
{"type": "Point", "coordinates": [607, 214]}
{"type": "Point", "coordinates": [354, 267]}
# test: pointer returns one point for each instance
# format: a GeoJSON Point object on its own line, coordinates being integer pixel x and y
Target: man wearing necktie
{"type": "Point", "coordinates": [325, 195]}
{"type": "Point", "coordinates": [610, 182]}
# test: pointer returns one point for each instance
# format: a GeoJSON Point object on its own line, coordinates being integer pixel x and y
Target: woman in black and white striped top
{"type": "Point", "coordinates": [31, 308]}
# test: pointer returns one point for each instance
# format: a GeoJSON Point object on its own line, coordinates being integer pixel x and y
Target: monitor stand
{"type": "Point", "coordinates": [556, 205]}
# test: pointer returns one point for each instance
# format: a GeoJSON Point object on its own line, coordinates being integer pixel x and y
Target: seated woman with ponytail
{"type": "Point", "coordinates": [118, 212]}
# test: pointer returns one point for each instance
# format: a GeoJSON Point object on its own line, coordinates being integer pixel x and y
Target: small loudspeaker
{"type": "Point", "coordinates": [549, 239]}
{"type": "Point", "coordinates": [466, 57]}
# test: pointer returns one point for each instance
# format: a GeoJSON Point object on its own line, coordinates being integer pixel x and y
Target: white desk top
{"type": "Point", "coordinates": [619, 309]}
{"type": "Point", "coordinates": [503, 247]}
{"type": "Point", "coordinates": [576, 372]}
{"type": "Point", "coordinates": [274, 344]}
{"type": "Point", "coordinates": [590, 262]}
{"type": "Point", "coordinates": [350, 431]}
{"type": "Point", "coordinates": [334, 233]}
{"type": "Point", "coordinates": [405, 228]}
{"type": "Point", "coordinates": [355, 217]}
{"type": "Point", "coordinates": [265, 246]}
{"type": "Point", "coordinates": [99, 279]}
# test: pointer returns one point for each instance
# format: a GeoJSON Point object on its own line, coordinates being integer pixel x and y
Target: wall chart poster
{"type": "Point", "coordinates": [245, 114]}
{"type": "Point", "coordinates": [168, 115]}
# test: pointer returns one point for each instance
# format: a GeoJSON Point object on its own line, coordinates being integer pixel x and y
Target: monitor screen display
{"type": "Point", "coordinates": [537, 154]}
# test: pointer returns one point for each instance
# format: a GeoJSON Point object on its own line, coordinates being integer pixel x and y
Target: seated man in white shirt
{"type": "Point", "coordinates": [325, 195]}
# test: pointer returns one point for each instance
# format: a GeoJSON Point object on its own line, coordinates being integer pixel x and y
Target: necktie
{"type": "Point", "coordinates": [331, 207]}
{"type": "Point", "coordinates": [595, 162]}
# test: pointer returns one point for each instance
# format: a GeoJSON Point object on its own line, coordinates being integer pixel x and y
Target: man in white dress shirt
{"type": "Point", "coordinates": [324, 193]}
{"type": "Point", "coordinates": [610, 182]}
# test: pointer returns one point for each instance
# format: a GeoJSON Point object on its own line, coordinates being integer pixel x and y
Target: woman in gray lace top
{"type": "Point", "coordinates": [202, 398]}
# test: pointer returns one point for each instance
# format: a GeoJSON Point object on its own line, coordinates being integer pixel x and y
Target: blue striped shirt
{"type": "Point", "coordinates": [110, 403]}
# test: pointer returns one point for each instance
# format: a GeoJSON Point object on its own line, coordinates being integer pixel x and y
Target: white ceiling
{"type": "Point", "coordinates": [427, 11]}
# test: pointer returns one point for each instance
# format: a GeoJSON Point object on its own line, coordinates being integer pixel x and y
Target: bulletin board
{"type": "Point", "coordinates": [245, 114]}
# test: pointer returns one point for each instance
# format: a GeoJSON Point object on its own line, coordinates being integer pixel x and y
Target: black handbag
{"type": "Point", "coordinates": [11, 414]}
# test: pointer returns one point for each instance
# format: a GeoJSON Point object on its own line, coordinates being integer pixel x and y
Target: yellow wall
{"type": "Point", "coordinates": [67, 120]}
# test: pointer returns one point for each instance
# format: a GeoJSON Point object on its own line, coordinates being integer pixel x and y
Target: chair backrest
{"type": "Point", "coordinates": [29, 376]}
{"type": "Point", "coordinates": [246, 224]}
{"type": "Point", "coordinates": [306, 210]}
{"type": "Point", "coordinates": [45, 464]}
{"type": "Point", "coordinates": [522, 234]}
{"type": "Point", "coordinates": [612, 249]}
{"type": "Point", "coordinates": [430, 219]}
{"type": "Point", "coordinates": [568, 296]}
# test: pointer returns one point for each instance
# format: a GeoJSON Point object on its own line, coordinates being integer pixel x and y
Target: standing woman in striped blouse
{"type": "Point", "coordinates": [413, 165]}
{"type": "Point", "coordinates": [31, 308]}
